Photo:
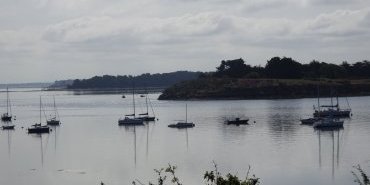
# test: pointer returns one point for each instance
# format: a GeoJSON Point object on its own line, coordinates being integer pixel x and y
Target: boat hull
{"type": "Point", "coordinates": [237, 122]}
{"type": "Point", "coordinates": [147, 118]}
{"type": "Point", "coordinates": [6, 118]}
{"type": "Point", "coordinates": [38, 130]}
{"type": "Point", "coordinates": [53, 122]}
{"type": "Point", "coordinates": [8, 127]}
{"type": "Point", "coordinates": [182, 125]}
{"type": "Point", "coordinates": [333, 113]}
{"type": "Point", "coordinates": [130, 122]}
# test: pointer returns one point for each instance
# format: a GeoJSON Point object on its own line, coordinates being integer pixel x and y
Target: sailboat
{"type": "Point", "coordinates": [312, 120]}
{"type": "Point", "coordinates": [332, 110]}
{"type": "Point", "coordinates": [8, 115]}
{"type": "Point", "coordinates": [185, 124]}
{"type": "Point", "coordinates": [145, 116]}
{"type": "Point", "coordinates": [328, 121]}
{"type": "Point", "coordinates": [55, 119]}
{"type": "Point", "coordinates": [38, 128]}
{"type": "Point", "coordinates": [130, 119]}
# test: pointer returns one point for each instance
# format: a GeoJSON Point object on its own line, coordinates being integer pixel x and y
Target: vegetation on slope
{"type": "Point", "coordinates": [144, 80]}
{"type": "Point", "coordinates": [280, 78]}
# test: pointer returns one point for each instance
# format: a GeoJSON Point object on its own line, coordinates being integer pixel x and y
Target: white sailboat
{"type": "Point", "coordinates": [131, 119]}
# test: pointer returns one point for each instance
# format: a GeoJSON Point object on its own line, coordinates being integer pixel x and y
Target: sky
{"type": "Point", "coordinates": [48, 40]}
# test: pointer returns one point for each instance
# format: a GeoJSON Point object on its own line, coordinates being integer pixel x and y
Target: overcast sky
{"type": "Point", "coordinates": [47, 40]}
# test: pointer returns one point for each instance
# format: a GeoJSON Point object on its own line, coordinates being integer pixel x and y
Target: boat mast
{"type": "Point", "coordinates": [133, 98]}
{"type": "Point", "coordinates": [40, 109]}
{"type": "Point", "coordinates": [337, 102]}
{"type": "Point", "coordinates": [55, 108]}
{"type": "Point", "coordinates": [146, 102]}
{"type": "Point", "coordinates": [331, 98]}
{"type": "Point", "coordinates": [318, 98]}
{"type": "Point", "coordinates": [186, 113]}
{"type": "Point", "coordinates": [7, 101]}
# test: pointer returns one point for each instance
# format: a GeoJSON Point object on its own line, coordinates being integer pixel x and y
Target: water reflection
{"type": "Point", "coordinates": [332, 137]}
{"type": "Point", "coordinates": [234, 132]}
{"type": "Point", "coordinates": [282, 119]}
{"type": "Point", "coordinates": [9, 138]}
{"type": "Point", "coordinates": [132, 129]}
{"type": "Point", "coordinates": [56, 134]}
{"type": "Point", "coordinates": [42, 148]}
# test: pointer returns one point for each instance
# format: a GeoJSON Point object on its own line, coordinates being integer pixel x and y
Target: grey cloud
{"type": "Point", "coordinates": [95, 35]}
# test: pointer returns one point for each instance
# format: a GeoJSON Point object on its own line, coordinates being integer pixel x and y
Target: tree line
{"type": "Point", "coordinates": [288, 68]}
{"type": "Point", "coordinates": [127, 81]}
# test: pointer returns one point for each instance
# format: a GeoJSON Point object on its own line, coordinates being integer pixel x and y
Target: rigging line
{"type": "Point", "coordinates": [43, 110]}
{"type": "Point", "coordinates": [10, 106]}
{"type": "Point", "coordinates": [151, 107]}
{"type": "Point", "coordinates": [348, 102]}
{"type": "Point", "coordinates": [56, 110]}
{"type": "Point", "coordinates": [47, 143]}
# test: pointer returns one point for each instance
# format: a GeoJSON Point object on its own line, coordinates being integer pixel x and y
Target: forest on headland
{"type": "Point", "coordinates": [146, 80]}
{"type": "Point", "coordinates": [279, 78]}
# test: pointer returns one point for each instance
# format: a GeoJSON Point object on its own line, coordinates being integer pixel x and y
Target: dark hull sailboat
{"type": "Point", "coordinates": [8, 127]}
{"type": "Point", "coordinates": [185, 124]}
{"type": "Point", "coordinates": [147, 118]}
{"type": "Point", "coordinates": [182, 125]}
{"type": "Point", "coordinates": [38, 129]}
{"type": "Point", "coordinates": [131, 120]}
{"type": "Point", "coordinates": [333, 112]}
{"type": "Point", "coordinates": [8, 115]}
{"type": "Point", "coordinates": [237, 121]}
{"type": "Point", "coordinates": [53, 122]}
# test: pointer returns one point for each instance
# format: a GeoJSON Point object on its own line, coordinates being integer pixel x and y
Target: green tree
{"type": "Point", "coordinates": [285, 68]}
{"type": "Point", "coordinates": [233, 68]}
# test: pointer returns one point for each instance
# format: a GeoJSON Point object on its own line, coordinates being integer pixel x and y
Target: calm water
{"type": "Point", "coordinates": [90, 147]}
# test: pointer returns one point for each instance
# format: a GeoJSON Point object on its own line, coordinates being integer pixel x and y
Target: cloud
{"type": "Point", "coordinates": [208, 25]}
{"type": "Point", "coordinates": [104, 35]}
{"type": "Point", "coordinates": [341, 23]}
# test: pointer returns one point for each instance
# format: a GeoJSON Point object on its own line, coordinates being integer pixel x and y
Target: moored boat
{"type": "Point", "coordinates": [54, 121]}
{"type": "Point", "coordinates": [6, 117]}
{"type": "Point", "coordinates": [131, 119]}
{"type": "Point", "coordinates": [8, 127]}
{"type": "Point", "coordinates": [145, 116]}
{"type": "Point", "coordinates": [328, 123]}
{"type": "Point", "coordinates": [182, 124]}
{"type": "Point", "coordinates": [237, 121]}
{"type": "Point", "coordinates": [38, 129]}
